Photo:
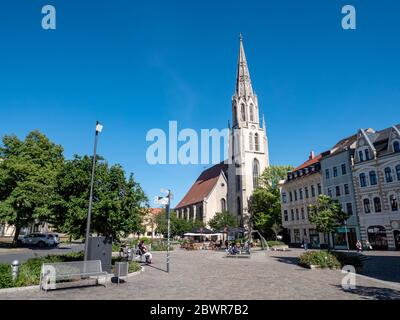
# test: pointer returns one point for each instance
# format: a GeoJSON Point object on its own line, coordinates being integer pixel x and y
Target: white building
{"type": "Point", "coordinates": [229, 186]}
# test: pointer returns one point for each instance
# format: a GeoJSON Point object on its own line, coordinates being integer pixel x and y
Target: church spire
{"type": "Point", "coordinates": [243, 82]}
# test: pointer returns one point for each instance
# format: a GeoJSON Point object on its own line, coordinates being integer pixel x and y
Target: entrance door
{"type": "Point", "coordinates": [396, 235]}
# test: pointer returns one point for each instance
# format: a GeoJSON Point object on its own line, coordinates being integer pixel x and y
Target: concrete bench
{"type": "Point", "coordinates": [71, 274]}
{"type": "Point", "coordinates": [280, 248]}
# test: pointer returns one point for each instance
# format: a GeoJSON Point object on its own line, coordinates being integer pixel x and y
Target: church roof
{"type": "Point", "coordinates": [203, 185]}
{"type": "Point", "coordinates": [243, 82]}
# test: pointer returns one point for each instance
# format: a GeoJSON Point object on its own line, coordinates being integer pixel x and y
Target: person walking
{"type": "Point", "coordinates": [359, 246]}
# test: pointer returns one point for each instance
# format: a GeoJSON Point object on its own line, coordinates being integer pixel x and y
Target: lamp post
{"type": "Point", "coordinates": [99, 128]}
{"type": "Point", "coordinates": [167, 202]}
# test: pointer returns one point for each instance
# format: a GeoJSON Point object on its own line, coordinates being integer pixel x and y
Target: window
{"type": "Point", "coordinates": [302, 213]}
{"type": "Point", "coordinates": [223, 205]}
{"type": "Point", "coordinates": [367, 207]}
{"type": "Point", "coordinates": [327, 174]}
{"type": "Point", "coordinates": [319, 189]}
{"type": "Point", "coordinates": [337, 191]}
{"type": "Point", "coordinates": [349, 208]}
{"type": "Point", "coordinates": [335, 172]}
{"type": "Point", "coordinates": [330, 192]}
{"type": "Point", "coordinates": [344, 169]}
{"type": "Point", "coordinates": [393, 202]}
{"type": "Point", "coordinates": [301, 194]}
{"type": "Point", "coordinates": [238, 183]}
{"type": "Point", "coordinates": [360, 155]}
{"type": "Point", "coordinates": [398, 172]}
{"type": "Point", "coordinates": [366, 154]}
{"type": "Point", "coordinates": [284, 197]}
{"type": "Point", "coordinates": [396, 146]}
{"type": "Point", "coordinates": [372, 178]}
{"type": "Point", "coordinates": [377, 204]}
{"type": "Point", "coordinates": [388, 175]}
{"type": "Point", "coordinates": [363, 180]}
{"type": "Point", "coordinates": [243, 112]}
{"type": "Point", "coordinates": [285, 215]}
{"type": "Point", "coordinates": [292, 212]}
{"type": "Point", "coordinates": [251, 141]}
{"type": "Point", "coordinates": [346, 189]}
{"type": "Point", "coordinates": [256, 173]}
{"type": "Point", "coordinates": [251, 113]}
{"type": "Point", "coordinates": [312, 191]}
{"type": "Point", "coordinates": [291, 196]}
{"type": "Point", "coordinates": [256, 142]}
{"type": "Point", "coordinates": [306, 191]}
{"type": "Point", "coordinates": [297, 214]}
{"type": "Point", "coordinates": [295, 195]}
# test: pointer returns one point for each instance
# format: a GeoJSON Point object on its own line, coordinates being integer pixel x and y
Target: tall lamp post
{"type": "Point", "coordinates": [99, 128]}
{"type": "Point", "coordinates": [167, 202]}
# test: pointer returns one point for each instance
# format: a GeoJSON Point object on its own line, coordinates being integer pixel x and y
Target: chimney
{"type": "Point", "coordinates": [312, 155]}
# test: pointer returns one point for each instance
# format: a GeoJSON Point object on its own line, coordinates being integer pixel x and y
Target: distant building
{"type": "Point", "coordinates": [150, 223]}
{"type": "Point", "coordinates": [298, 191]}
{"type": "Point", "coordinates": [207, 196]}
{"type": "Point", "coordinates": [337, 181]}
{"type": "Point", "coordinates": [376, 172]}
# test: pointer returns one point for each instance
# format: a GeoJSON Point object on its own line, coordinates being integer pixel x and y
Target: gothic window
{"type": "Point", "coordinates": [367, 207]}
{"type": "Point", "coordinates": [251, 113]}
{"type": "Point", "coordinates": [396, 146]}
{"type": "Point", "coordinates": [388, 175]}
{"type": "Point", "coordinates": [398, 172]}
{"type": "Point", "coordinates": [372, 178]}
{"type": "Point", "coordinates": [223, 205]}
{"type": "Point", "coordinates": [256, 173]}
{"type": "Point", "coordinates": [393, 202]}
{"type": "Point", "coordinates": [243, 112]}
{"type": "Point", "coordinates": [251, 141]}
{"type": "Point", "coordinates": [256, 142]}
{"type": "Point", "coordinates": [363, 180]}
{"type": "Point", "coordinates": [377, 204]}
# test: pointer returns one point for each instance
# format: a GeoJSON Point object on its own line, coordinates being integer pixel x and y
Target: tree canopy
{"type": "Point", "coordinates": [222, 220]}
{"type": "Point", "coordinates": [177, 226]}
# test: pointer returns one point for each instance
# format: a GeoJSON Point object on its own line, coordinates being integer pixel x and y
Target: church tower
{"type": "Point", "coordinates": [248, 143]}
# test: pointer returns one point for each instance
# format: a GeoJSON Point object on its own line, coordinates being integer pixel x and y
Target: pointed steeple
{"type": "Point", "coordinates": [243, 82]}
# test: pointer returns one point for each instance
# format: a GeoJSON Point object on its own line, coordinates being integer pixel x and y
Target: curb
{"type": "Point", "coordinates": [17, 289]}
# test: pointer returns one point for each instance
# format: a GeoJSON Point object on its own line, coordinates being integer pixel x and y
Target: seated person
{"type": "Point", "coordinates": [145, 252]}
{"type": "Point", "coordinates": [234, 249]}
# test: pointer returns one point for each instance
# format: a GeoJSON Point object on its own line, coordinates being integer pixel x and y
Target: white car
{"type": "Point", "coordinates": [38, 239]}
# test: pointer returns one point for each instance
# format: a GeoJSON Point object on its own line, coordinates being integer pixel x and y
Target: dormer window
{"type": "Point", "coordinates": [396, 146]}
{"type": "Point", "coordinates": [360, 156]}
{"type": "Point", "coordinates": [367, 154]}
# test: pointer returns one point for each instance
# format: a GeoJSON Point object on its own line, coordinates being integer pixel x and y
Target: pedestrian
{"type": "Point", "coordinates": [359, 246]}
{"type": "Point", "coordinates": [305, 244]}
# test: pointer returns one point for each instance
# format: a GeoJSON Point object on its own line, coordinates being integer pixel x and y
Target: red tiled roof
{"type": "Point", "coordinates": [308, 163]}
{"type": "Point", "coordinates": [156, 211]}
{"type": "Point", "coordinates": [203, 185]}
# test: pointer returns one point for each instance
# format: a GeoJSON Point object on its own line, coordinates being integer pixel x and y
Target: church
{"type": "Point", "coordinates": [229, 185]}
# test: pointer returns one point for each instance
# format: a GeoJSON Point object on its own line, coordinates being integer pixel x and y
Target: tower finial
{"type": "Point", "coordinates": [241, 37]}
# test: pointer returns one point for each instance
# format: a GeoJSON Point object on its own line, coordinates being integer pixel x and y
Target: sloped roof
{"type": "Point", "coordinates": [203, 185]}
{"type": "Point", "coordinates": [308, 163]}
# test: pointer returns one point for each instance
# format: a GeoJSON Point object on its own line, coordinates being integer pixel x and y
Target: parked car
{"type": "Point", "coordinates": [56, 238]}
{"type": "Point", "coordinates": [38, 239]}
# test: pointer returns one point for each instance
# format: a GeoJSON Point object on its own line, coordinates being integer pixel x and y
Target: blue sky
{"type": "Point", "coordinates": [135, 65]}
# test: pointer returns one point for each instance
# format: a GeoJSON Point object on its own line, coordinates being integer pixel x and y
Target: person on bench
{"type": "Point", "coordinates": [145, 252]}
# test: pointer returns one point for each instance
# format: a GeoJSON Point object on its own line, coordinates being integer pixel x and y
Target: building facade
{"type": "Point", "coordinates": [337, 181]}
{"type": "Point", "coordinates": [301, 188]}
{"type": "Point", "coordinates": [376, 176]}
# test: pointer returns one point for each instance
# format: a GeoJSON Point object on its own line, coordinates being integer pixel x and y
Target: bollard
{"type": "Point", "coordinates": [14, 269]}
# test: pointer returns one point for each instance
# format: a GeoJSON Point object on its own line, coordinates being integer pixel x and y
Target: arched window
{"type": "Point", "coordinates": [251, 141]}
{"type": "Point", "coordinates": [360, 155]}
{"type": "Point", "coordinates": [377, 204]}
{"type": "Point", "coordinates": [363, 180]}
{"type": "Point", "coordinates": [366, 154]}
{"type": "Point", "coordinates": [396, 146]}
{"type": "Point", "coordinates": [372, 178]}
{"type": "Point", "coordinates": [223, 205]}
{"type": "Point", "coordinates": [251, 113]}
{"type": "Point", "coordinates": [398, 172]}
{"type": "Point", "coordinates": [243, 112]}
{"type": "Point", "coordinates": [256, 142]}
{"type": "Point", "coordinates": [256, 173]}
{"type": "Point", "coordinates": [367, 206]}
{"type": "Point", "coordinates": [388, 175]}
{"type": "Point", "coordinates": [393, 202]}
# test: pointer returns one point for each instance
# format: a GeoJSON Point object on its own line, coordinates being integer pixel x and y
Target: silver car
{"type": "Point", "coordinates": [38, 239]}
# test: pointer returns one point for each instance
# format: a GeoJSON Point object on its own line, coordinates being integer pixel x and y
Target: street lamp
{"type": "Point", "coordinates": [99, 128]}
{"type": "Point", "coordinates": [167, 202]}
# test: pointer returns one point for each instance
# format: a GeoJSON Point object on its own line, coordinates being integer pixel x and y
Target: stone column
{"type": "Point", "coordinates": [194, 213]}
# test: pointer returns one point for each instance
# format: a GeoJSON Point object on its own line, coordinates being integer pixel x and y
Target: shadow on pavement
{"type": "Point", "coordinates": [289, 260]}
{"type": "Point", "coordinates": [374, 292]}
{"type": "Point", "coordinates": [385, 268]}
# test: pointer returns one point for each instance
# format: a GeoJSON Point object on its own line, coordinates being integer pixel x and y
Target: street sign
{"type": "Point", "coordinates": [161, 200]}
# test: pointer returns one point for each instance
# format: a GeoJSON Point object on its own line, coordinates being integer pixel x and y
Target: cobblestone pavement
{"type": "Point", "coordinates": [209, 275]}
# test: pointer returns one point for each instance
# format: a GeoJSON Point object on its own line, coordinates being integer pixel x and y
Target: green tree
{"type": "Point", "coordinates": [222, 220]}
{"type": "Point", "coordinates": [28, 171]}
{"type": "Point", "coordinates": [327, 215]}
{"type": "Point", "coordinates": [265, 203]}
{"type": "Point", "coordinates": [177, 226]}
{"type": "Point", "coordinates": [118, 203]}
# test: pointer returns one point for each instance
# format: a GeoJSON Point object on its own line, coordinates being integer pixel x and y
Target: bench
{"type": "Point", "coordinates": [71, 274]}
{"type": "Point", "coordinates": [240, 254]}
{"type": "Point", "coordinates": [280, 248]}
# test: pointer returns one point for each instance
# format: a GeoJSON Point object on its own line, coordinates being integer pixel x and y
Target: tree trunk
{"type": "Point", "coordinates": [16, 235]}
